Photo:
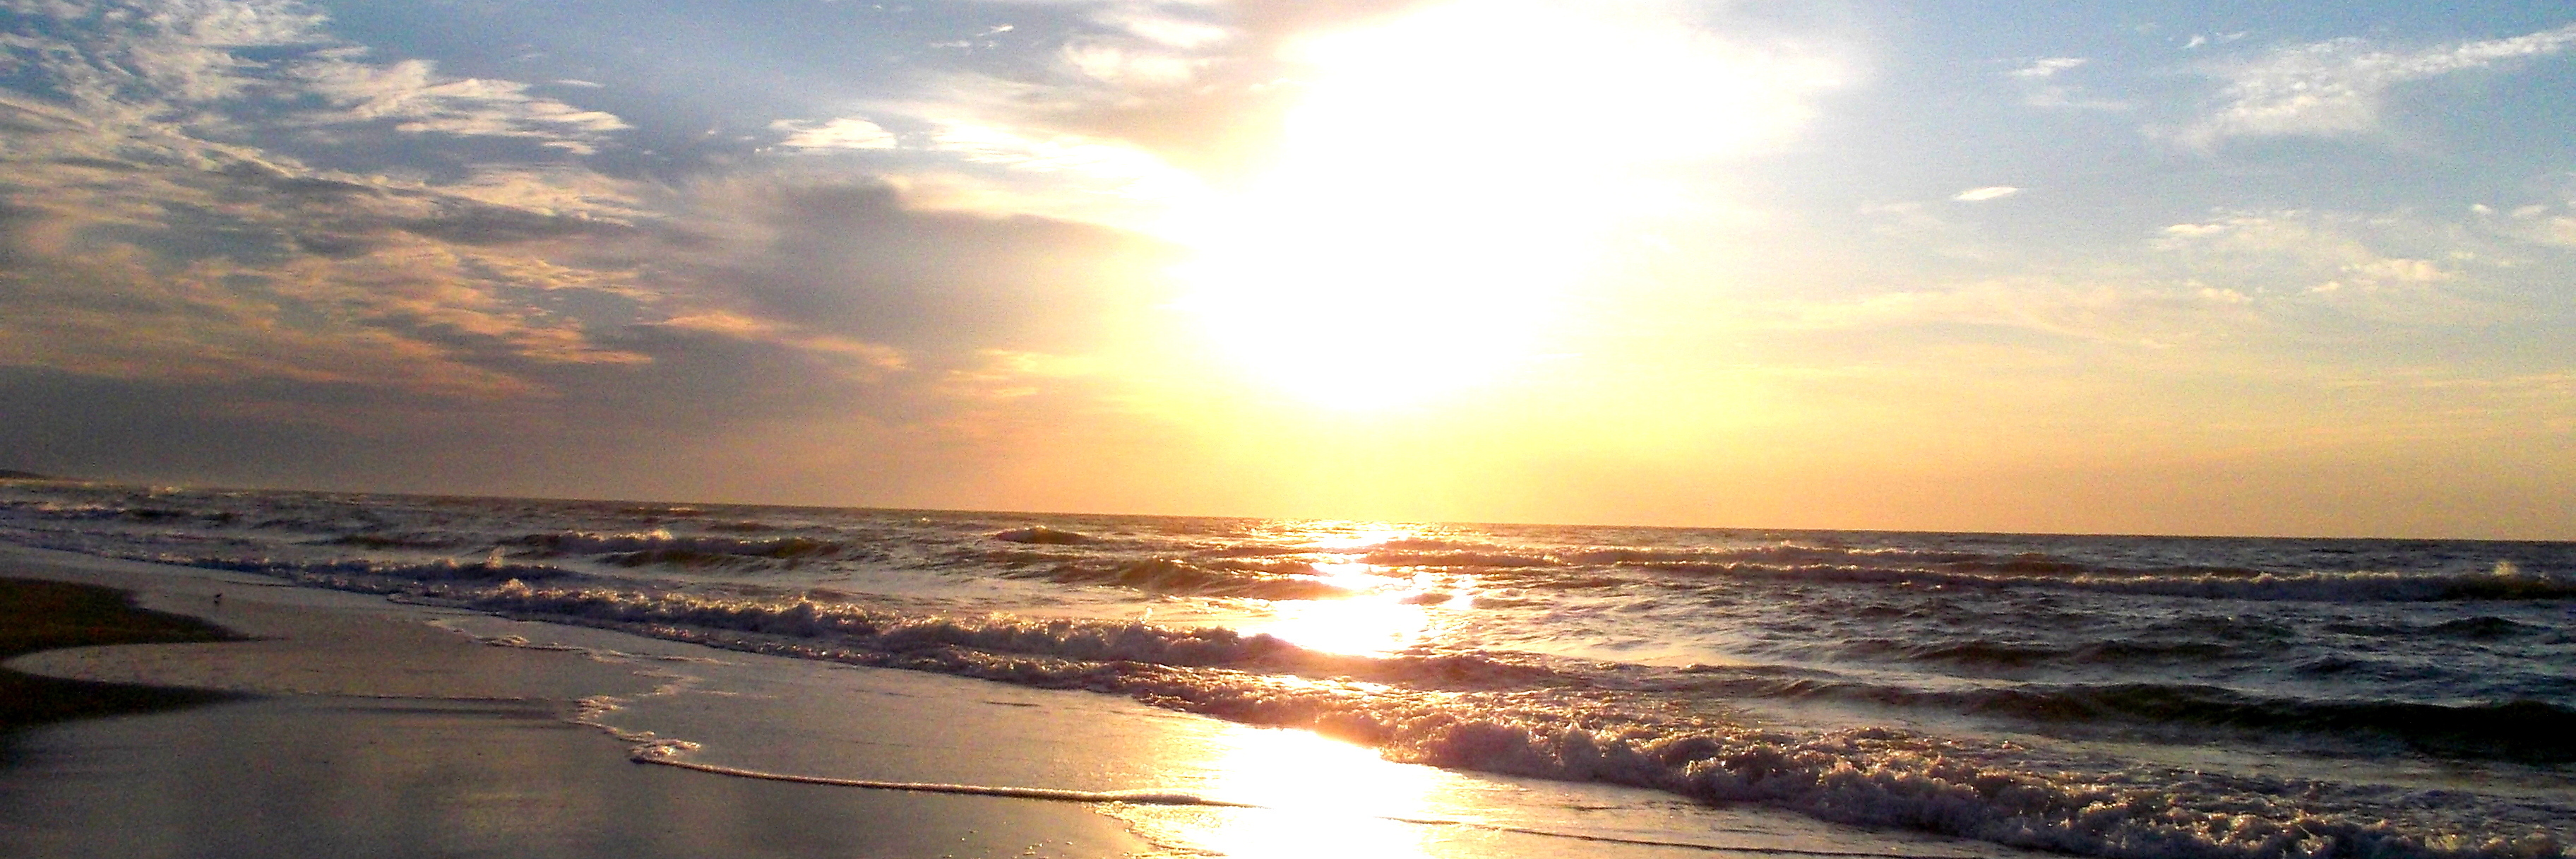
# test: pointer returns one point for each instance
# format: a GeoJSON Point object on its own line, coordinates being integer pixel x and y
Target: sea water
{"type": "Point", "coordinates": [2094, 695]}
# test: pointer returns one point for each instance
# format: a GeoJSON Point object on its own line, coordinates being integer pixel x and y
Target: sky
{"type": "Point", "coordinates": [2145, 267]}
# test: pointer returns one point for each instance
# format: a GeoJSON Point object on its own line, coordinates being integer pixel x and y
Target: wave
{"type": "Point", "coordinates": [1455, 558]}
{"type": "Point", "coordinates": [1161, 576]}
{"type": "Point", "coordinates": [2529, 731]}
{"type": "Point", "coordinates": [397, 541]}
{"type": "Point", "coordinates": [2478, 628]}
{"type": "Point", "coordinates": [1450, 553]}
{"type": "Point", "coordinates": [1779, 553]}
{"type": "Point", "coordinates": [382, 574]}
{"type": "Point", "coordinates": [2526, 730]}
{"type": "Point", "coordinates": [153, 513]}
{"type": "Point", "coordinates": [663, 547]}
{"type": "Point", "coordinates": [2503, 583]}
{"type": "Point", "coordinates": [1045, 536]}
{"type": "Point", "coordinates": [2004, 654]}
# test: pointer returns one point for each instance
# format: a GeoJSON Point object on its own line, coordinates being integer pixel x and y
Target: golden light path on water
{"type": "Point", "coordinates": [1387, 611]}
{"type": "Point", "coordinates": [1318, 797]}
{"type": "Point", "coordinates": [1440, 195]}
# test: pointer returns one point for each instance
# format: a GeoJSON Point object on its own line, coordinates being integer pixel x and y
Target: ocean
{"type": "Point", "coordinates": [2115, 696]}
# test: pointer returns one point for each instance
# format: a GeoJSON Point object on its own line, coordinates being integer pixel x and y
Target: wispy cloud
{"type": "Point", "coordinates": [2340, 86]}
{"type": "Point", "coordinates": [2044, 85]}
{"type": "Point", "coordinates": [2047, 67]}
{"type": "Point", "coordinates": [1990, 192]}
{"type": "Point", "coordinates": [2395, 270]}
{"type": "Point", "coordinates": [848, 132]}
{"type": "Point", "coordinates": [2198, 40]}
{"type": "Point", "coordinates": [417, 100]}
{"type": "Point", "coordinates": [2152, 315]}
{"type": "Point", "coordinates": [2538, 223]}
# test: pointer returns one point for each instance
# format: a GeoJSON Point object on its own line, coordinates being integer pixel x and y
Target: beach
{"type": "Point", "coordinates": [364, 731]}
{"type": "Point", "coordinates": [366, 727]}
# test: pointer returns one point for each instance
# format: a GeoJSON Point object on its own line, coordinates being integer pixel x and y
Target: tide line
{"type": "Point", "coordinates": [1132, 797]}
{"type": "Point", "coordinates": [1156, 797]}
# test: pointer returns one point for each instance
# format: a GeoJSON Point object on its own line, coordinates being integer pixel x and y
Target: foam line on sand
{"type": "Point", "coordinates": [657, 755]}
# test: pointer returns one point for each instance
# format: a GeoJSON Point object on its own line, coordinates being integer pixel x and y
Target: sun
{"type": "Point", "coordinates": [1361, 310]}
{"type": "Point", "coordinates": [1446, 184]}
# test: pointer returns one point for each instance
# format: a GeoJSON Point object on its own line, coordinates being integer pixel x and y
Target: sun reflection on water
{"type": "Point", "coordinates": [1347, 536]}
{"type": "Point", "coordinates": [1361, 626]}
{"type": "Point", "coordinates": [1316, 797]}
{"type": "Point", "coordinates": [1390, 609]}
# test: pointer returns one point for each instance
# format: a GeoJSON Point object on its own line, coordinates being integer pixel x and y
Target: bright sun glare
{"type": "Point", "coordinates": [1445, 184]}
{"type": "Point", "coordinates": [1384, 610]}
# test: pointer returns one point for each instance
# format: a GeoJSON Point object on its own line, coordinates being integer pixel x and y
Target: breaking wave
{"type": "Point", "coordinates": [1161, 576]}
{"type": "Point", "coordinates": [663, 547]}
{"type": "Point", "coordinates": [343, 574]}
{"type": "Point", "coordinates": [1045, 536]}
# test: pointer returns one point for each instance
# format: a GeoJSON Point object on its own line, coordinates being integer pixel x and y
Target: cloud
{"type": "Point", "coordinates": [2536, 223]}
{"type": "Point", "coordinates": [2340, 87]}
{"type": "Point", "coordinates": [197, 77]}
{"type": "Point", "coordinates": [2396, 271]}
{"type": "Point", "coordinates": [857, 259]}
{"type": "Point", "coordinates": [1140, 49]}
{"type": "Point", "coordinates": [2153, 315]}
{"type": "Point", "coordinates": [2302, 241]}
{"type": "Point", "coordinates": [2399, 270]}
{"type": "Point", "coordinates": [404, 319]}
{"type": "Point", "coordinates": [1195, 84]}
{"type": "Point", "coordinates": [1211, 87]}
{"type": "Point", "coordinates": [1990, 192]}
{"type": "Point", "coordinates": [1129, 68]}
{"type": "Point", "coordinates": [849, 132]}
{"type": "Point", "coordinates": [2237, 281]}
{"type": "Point", "coordinates": [128, 114]}
{"type": "Point", "coordinates": [415, 99]}
{"type": "Point", "coordinates": [2042, 86]}
{"type": "Point", "coordinates": [1102, 169]}
{"type": "Point", "coordinates": [2048, 67]}
{"type": "Point", "coordinates": [158, 233]}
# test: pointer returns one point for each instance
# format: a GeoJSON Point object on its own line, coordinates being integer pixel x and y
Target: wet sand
{"type": "Point", "coordinates": [40, 615]}
{"type": "Point", "coordinates": [362, 731]}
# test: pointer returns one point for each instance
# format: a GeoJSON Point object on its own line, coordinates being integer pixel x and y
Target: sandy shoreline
{"type": "Point", "coordinates": [375, 734]}
{"type": "Point", "coordinates": [377, 729]}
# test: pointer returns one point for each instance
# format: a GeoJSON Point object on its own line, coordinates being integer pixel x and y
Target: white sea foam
{"type": "Point", "coordinates": [661, 546]}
